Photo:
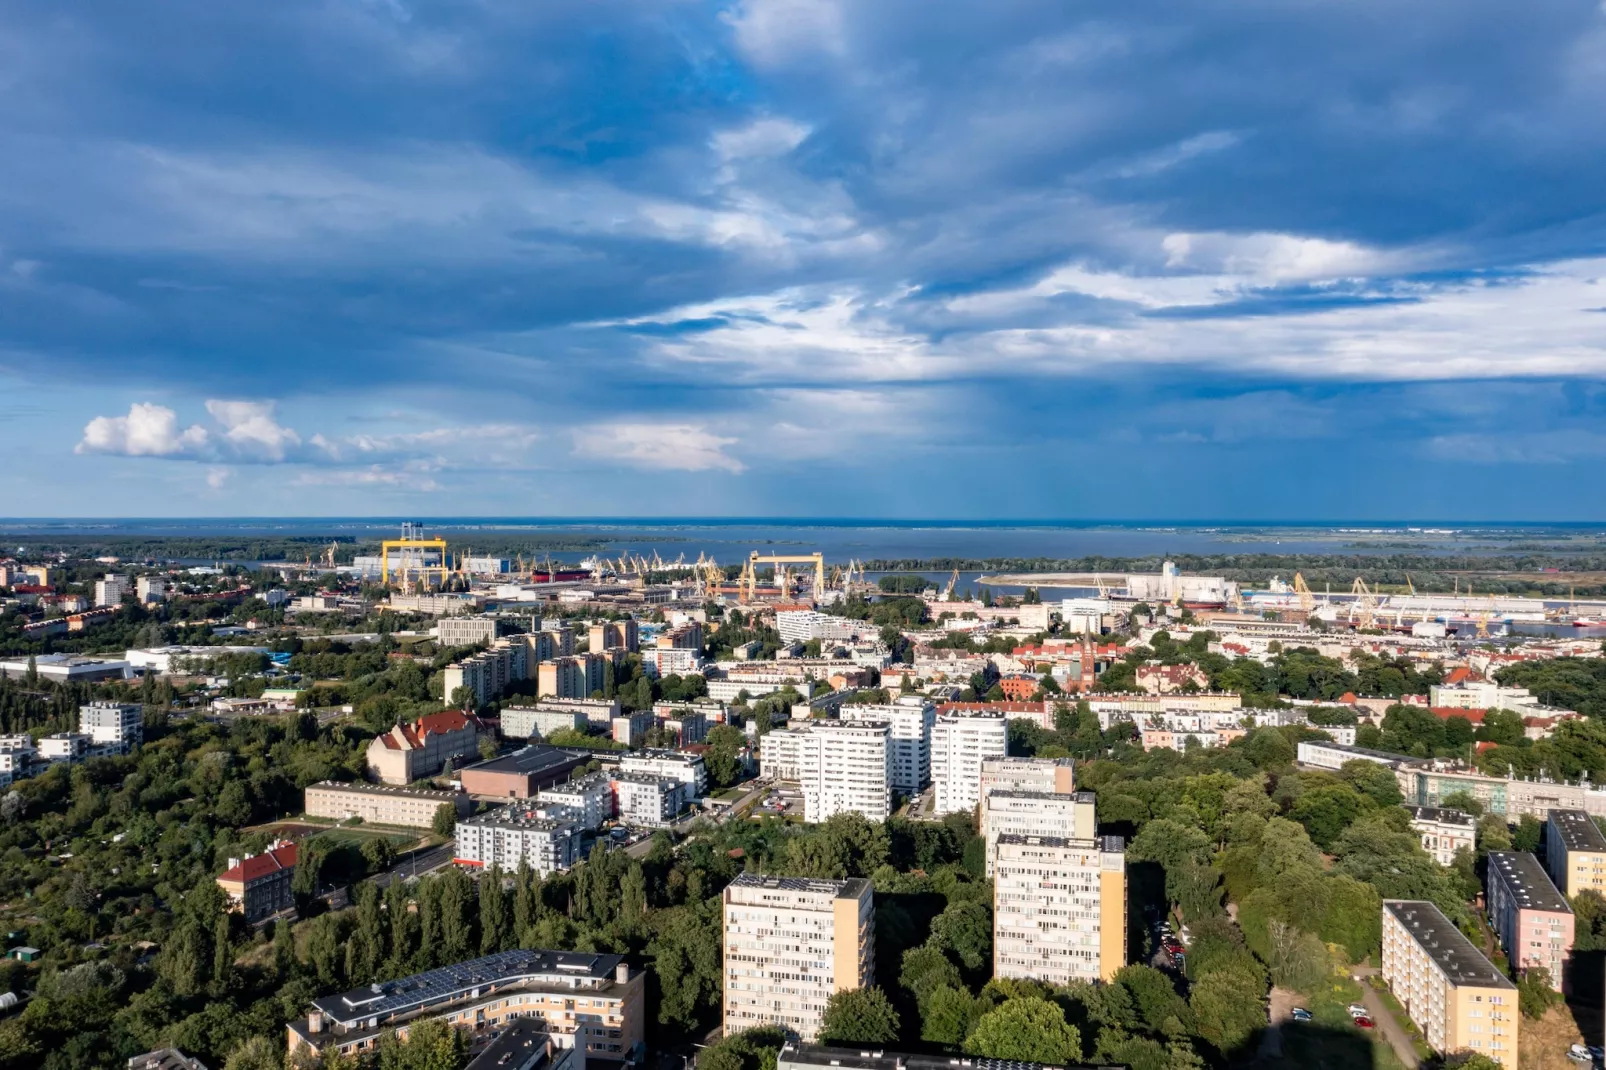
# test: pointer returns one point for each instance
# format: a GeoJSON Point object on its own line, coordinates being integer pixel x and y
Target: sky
{"type": "Point", "coordinates": [909, 258]}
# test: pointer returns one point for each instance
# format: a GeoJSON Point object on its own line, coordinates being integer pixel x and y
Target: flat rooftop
{"type": "Point", "coordinates": [1577, 830]}
{"type": "Point", "coordinates": [515, 1045]}
{"type": "Point", "coordinates": [537, 758]}
{"type": "Point", "coordinates": [1527, 881]}
{"type": "Point", "coordinates": [852, 888]}
{"type": "Point", "coordinates": [859, 1058]}
{"type": "Point", "coordinates": [524, 815]}
{"type": "Point", "coordinates": [1441, 816]}
{"type": "Point", "coordinates": [1462, 963]}
{"type": "Point", "coordinates": [562, 969]}
{"type": "Point", "coordinates": [365, 788]}
{"type": "Point", "coordinates": [1109, 844]}
{"type": "Point", "coordinates": [1045, 796]}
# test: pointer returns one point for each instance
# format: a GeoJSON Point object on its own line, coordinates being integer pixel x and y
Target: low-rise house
{"type": "Point", "coordinates": [1444, 832]}
{"type": "Point", "coordinates": [258, 886]}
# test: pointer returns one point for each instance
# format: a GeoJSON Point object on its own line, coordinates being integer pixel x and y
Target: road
{"type": "Point", "coordinates": [737, 808]}
{"type": "Point", "coordinates": [416, 862]}
{"type": "Point", "coordinates": [1384, 1019]}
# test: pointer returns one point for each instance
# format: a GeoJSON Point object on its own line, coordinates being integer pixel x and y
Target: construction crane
{"type": "Point", "coordinates": [1307, 601]}
{"type": "Point", "coordinates": [1364, 601]}
{"type": "Point", "coordinates": [329, 554]}
{"type": "Point", "coordinates": [1103, 588]}
{"type": "Point", "coordinates": [749, 586]}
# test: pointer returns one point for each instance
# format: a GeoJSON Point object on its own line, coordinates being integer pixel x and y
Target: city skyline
{"type": "Point", "coordinates": [797, 258]}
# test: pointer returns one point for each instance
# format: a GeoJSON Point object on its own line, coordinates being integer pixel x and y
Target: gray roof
{"type": "Point", "coordinates": [1440, 815]}
{"type": "Point", "coordinates": [411, 994]}
{"type": "Point", "coordinates": [851, 888]}
{"type": "Point", "coordinates": [1074, 796]}
{"type": "Point", "coordinates": [1527, 881]}
{"type": "Point", "coordinates": [1110, 844]}
{"type": "Point", "coordinates": [858, 1058]}
{"type": "Point", "coordinates": [1462, 963]}
{"type": "Point", "coordinates": [537, 758]}
{"type": "Point", "coordinates": [1577, 830]}
{"type": "Point", "coordinates": [514, 1046]}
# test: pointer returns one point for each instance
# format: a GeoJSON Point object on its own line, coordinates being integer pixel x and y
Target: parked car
{"type": "Point", "coordinates": [1364, 1022]}
{"type": "Point", "coordinates": [1580, 1054]}
{"type": "Point", "coordinates": [1300, 1014]}
{"type": "Point", "coordinates": [1356, 1010]}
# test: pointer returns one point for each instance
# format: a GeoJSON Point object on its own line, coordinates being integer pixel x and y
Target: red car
{"type": "Point", "coordinates": [1364, 1022]}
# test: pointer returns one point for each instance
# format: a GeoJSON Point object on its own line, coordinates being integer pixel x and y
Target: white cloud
{"type": "Point", "coordinates": [775, 32]}
{"type": "Point", "coordinates": [762, 138]}
{"type": "Point", "coordinates": [147, 431]}
{"type": "Point", "coordinates": [218, 476]}
{"type": "Point", "coordinates": [250, 429]}
{"type": "Point", "coordinates": [412, 478]}
{"type": "Point", "coordinates": [1516, 447]}
{"type": "Point", "coordinates": [1266, 259]}
{"type": "Point", "coordinates": [676, 447]}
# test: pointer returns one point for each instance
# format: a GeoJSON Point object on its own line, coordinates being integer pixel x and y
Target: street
{"type": "Point", "coordinates": [1393, 1031]}
{"type": "Point", "coordinates": [416, 862]}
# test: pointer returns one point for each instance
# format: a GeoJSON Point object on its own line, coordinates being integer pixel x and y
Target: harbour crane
{"type": "Point", "coordinates": [1307, 601]}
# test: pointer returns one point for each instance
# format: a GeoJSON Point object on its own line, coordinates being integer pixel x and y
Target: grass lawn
{"type": "Point", "coordinates": [357, 835]}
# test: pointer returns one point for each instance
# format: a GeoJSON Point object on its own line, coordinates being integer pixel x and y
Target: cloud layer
{"type": "Point", "coordinates": [729, 248]}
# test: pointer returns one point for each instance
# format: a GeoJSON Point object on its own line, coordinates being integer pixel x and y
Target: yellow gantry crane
{"type": "Point", "coordinates": [412, 540]}
{"type": "Point", "coordinates": [749, 579]}
{"type": "Point", "coordinates": [1307, 601]}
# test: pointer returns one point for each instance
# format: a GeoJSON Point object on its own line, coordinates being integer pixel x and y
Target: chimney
{"type": "Point", "coordinates": [233, 862]}
{"type": "Point", "coordinates": [621, 973]}
{"type": "Point", "coordinates": [315, 1022]}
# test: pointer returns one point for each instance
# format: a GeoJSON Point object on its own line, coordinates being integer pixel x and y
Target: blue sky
{"type": "Point", "coordinates": [804, 257]}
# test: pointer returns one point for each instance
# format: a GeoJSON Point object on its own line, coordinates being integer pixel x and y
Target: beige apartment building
{"type": "Point", "coordinates": [382, 804]}
{"type": "Point", "coordinates": [1059, 908]}
{"type": "Point", "coordinates": [1575, 852]}
{"type": "Point", "coordinates": [1455, 995]}
{"type": "Point", "coordinates": [1036, 813]}
{"type": "Point", "coordinates": [1028, 774]}
{"type": "Point", "coordinates": [791, 942]}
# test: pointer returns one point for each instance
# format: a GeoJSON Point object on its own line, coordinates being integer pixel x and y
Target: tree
{"type": "Point", "coordinates": [722, 758]}
{"type": "Point", "coordinates": [859, 1016]}
{"type": "Point", "coordinates": [1027, 1029]}
{"type": "Point", "coordinates": [1372, 780]}
{"type": "Point", "coordinates": [946, 1015]}
{"type": "Point", "coordinates": [1526, 836]}
{"type": "Point", "coordinates": [1535, 994]}
{"type": "Point", "coordinates": [1227, 1008]}
{"type": "Point", "coordinates": [445, 823]}
{"type": "Point", "coordinates": [256, 1053]}
{"type": "Point", "coordinates": [1327, 810]}
{"type": "Point", "coordinates": [966, 929]}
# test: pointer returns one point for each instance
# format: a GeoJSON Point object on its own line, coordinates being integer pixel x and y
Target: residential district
{"type": "Point", "coordinates": [411, 809]}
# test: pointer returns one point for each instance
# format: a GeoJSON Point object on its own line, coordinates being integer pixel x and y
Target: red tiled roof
{"type": "Point", "coordinates": [438, 724]}
{"type": "Point", "coordinates": [261, 865]}
{"type": "Point", "coordinates": [1446, 712]}
{"type": "Point", "coordinates": [1462, 674]}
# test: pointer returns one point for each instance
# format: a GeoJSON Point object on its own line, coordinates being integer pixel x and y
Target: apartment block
{"type": "Point", "coordinates": [644, 801]}
{"type": "Point", "coordinates": [1028, 774]}
{"type": "Point", "coordinates": [119, 723]}
{"type": "Point", "coordinates": [258, 886]}
{"type": "Point", "coordinates": [1575, 852]}
{"type": "Point", "coordinates": [1444, 832]}
{"type": "Point", "coordinates": [960, 742]}
{"type": "Point", "coordinates": [575, 676]}
{"type": "Point", "coordinates": [846, 767]}
{"type": "Point", "coordinates": [1035, 813]}
{"type": "Point", "coordinates": [1533, 921]}
{"type": "Point", "coordinates": [516, 834]}
{"type": "Point", "coordinates": [597, 1000]}
{"type": "Point", "coordinates": [687, 726]}
{"type": "Point", "coordinates": [468, 631]}
{"type": "Point", "coordinates": [382, 804]}
{"type": "Point", "coordinates": [151, 589]}
{"type": "Point", "coordinates": [794, 1056]}
{"type": "Point", "coordinates": [111, 590]}
{"type": "Point", "coordinates": [632, 726]}
{"type": "Point", "coordinates": [782, 752]}
{"type": "Point", "coordinates": [488, 673]}
{"type": "Point", "coordinates": [614, 634]}
{"type": "Point", "coordinates": [526, 722]}
{"type": "Point", "coordinates": [1456, 996]}
{"type": "Point", "coordinates": [689, 769]}
{"type": "Point", "coordinates": [911, 719]}
{"type": "Point", "coordinates": [790, 943]}
{"type": "Point", "coordinates": [1059, 908]}
{"type": "Point", "coordinates": [588, 800]}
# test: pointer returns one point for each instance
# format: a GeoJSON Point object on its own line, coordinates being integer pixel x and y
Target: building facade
{"type": "Point", "coordinates": [790, 943]}
{"type": "Point", "coordinates": [1575, 852]}
{"type": "Point", "coordinates": [597, 1000]}
{"type": "Point", "coordinates": [1057, 775]}
{"type": "Point", "coordinates": [846, 767]}
{"type": "Point", "coordinates": [1444, 832]}
{"type": "Point", "coordinates": [527, 722]}
{"type": "Point", "coordinates": [689, 769]}
{"type": "Point", "coordinates": [645, 801]}
{"type": "Point", "coordinates": [520, 833]}
{"type": "Point", "coordinates": [588, 800]}
{"type": "Point", "coordinates": [118, 723]}
{"type": "Point", "coordinates": [960, 743]}
{"type": "Point", "coordinates": [258, 886]}
{"type": "Point", "coordinates": [1456, 996]}
{"type": "Point", "coordinates": [911, 720]}
{"type": "Point", "coordinates": [1059, 908]}
{"type": "Point", "coordinates": [1533, 921]}
{"type": "Point", "coordinates": [422, 748]}
{"type": "Point", "coordinates": [382, 804]}
{"type": "Point", "coordinates": [1035, 813]}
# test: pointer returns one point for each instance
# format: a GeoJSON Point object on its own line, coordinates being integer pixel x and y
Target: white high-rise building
{"type": "Point", "coordinates": [110, 591]}
{"type": "Point", "coordinates": [1059, 908]}
{"type": "Point", "coordinates": [790, 943]}
{"type": "Point", "coordinates": [960, 742]}
{"type": "Point", "coordinates": [687, 768]}
{"type": "Point", "coordinates": [911, 719]}
{"type": "Point", "coordinates": [781, 752]}
{"type": "Point", "coordinates": [846, 767]}
{"type": "Point", "coordinates": [521, 832]}
{"type": "Point", "coordinates": [587, 799]}
{"type": "Point", "coordinates": [1035, 813]}
{"type": "Point", "coordinates": [121, 724]}
{"type": "Point", "coordinates": [151, 588]}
